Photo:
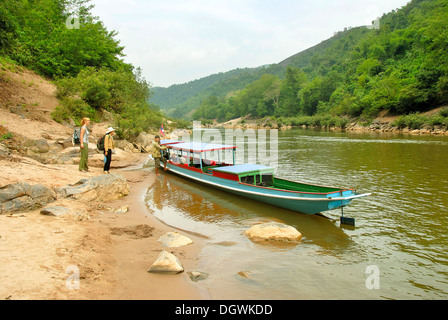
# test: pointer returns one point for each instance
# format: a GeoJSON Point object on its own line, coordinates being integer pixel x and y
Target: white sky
{"type": "Point", "coordinates": [177, 41]}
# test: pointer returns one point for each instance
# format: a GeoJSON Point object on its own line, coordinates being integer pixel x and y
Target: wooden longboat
{"type": "Point", "coordinates": [253, 181]}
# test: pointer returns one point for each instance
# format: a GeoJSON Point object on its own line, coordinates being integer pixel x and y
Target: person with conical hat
{"type": "Point", "coordinates": [108, 147]}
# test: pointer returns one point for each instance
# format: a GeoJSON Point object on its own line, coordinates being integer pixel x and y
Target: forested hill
{"type": "Point", "coordinates": [181, 100]}
{"type": "Point", "coordinates": [402, 67]}
{"type": "Point", "coordinates": [62, 41]}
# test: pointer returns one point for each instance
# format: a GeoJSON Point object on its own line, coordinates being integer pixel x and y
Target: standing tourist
{"type": "Point", "coordinates": [108, 147]}
{"type": "Point", "coordinates": [84, 145]}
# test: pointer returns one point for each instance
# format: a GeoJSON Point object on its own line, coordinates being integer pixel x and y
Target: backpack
{"type": "Point", "coordinates": [100, 143]}
{"type": "Point", "coordinates": [76, 138]}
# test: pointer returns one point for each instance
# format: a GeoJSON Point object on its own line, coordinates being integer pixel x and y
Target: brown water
{"type": "Point", "coordinates": [401, 229]}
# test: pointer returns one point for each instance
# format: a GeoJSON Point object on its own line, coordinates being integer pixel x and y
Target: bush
{"type": "Point", "coordinates": [341, 123]}
{"type": "Point", "coordinates": [300, 121]}
{"type": "Point", "coordinates": [412, 121]}
{"type": "Point", "coordinates": [331, 122]}
{"type": "Point", "coordinates": [6, 136]}
{"type": "Point", "coordinates": [400, 123]}
{"type": "Point", "coordinates": [97, 94]}
{"type": "Point", "coordinates": [436, 120]}
{"type": "Point", "coordinates": [444, 112]}
{"type": "Point", "coordinates": [123, 93]}
{"type": "Point", "coordinates": [415, 121]}
{"type": "Point", "coordinates": [74, 109]}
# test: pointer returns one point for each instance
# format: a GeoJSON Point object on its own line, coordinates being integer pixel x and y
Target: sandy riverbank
{"type": "Point", "coordinates": [134, 256]}
{"type": "Point", "coordinates": [112, 251]}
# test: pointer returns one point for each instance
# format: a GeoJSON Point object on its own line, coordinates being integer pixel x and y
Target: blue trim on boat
{"type": "Point", "coordinates": [307, 203]}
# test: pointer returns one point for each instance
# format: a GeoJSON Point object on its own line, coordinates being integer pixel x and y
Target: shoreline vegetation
{"type": "Point", "coordinates": [434, 122]}
{"type": "Point", "coordinates": [398, 68]}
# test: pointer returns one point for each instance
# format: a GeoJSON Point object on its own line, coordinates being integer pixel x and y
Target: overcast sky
{"type": "Point", "coordinates": [177, 41]}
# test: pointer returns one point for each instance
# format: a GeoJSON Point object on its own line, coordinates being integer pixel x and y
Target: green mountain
{"type": "Point", "coordinates": [180, 100]}
{"type": "Point", "coordinates": [402, 67]}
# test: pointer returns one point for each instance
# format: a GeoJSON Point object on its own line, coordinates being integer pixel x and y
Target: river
{"type": "Point", "coordinates": [398, 249]}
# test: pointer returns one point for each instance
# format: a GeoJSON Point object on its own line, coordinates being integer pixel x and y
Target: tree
{"type": "Point", "coordinates": [295, 80]}
{"type": "Point", "coordinates": [272, 93]}
{"type": "Point", "coordinates": [8, 28]}
{"type": "Point", "coordinates": [310, 96]}
{"type": "Point", "coordinates": [44, 43]}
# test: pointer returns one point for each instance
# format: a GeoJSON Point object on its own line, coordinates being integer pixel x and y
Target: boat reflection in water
{"type": "Point", "coordinates": [223, 217]}
{"type": "Point", "coordinates": [252, 181]}
{"type": "Point", "coordinates": [193, 207]}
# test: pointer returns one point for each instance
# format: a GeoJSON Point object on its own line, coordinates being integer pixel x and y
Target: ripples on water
{"type": "Point", "coordinates": [401, 228]}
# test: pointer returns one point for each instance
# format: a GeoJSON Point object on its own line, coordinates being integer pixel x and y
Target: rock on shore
{"type": "Point", "coordinates": [20, 197]}
{"type": "Point", "coordinates": [55, 211]}
{"type": "Point", "coordinates": [106, 187]}
{"type": "Point", "coordinates": [166, 263]}
{"type": "Point", "coordinates": [197, 275]}
{"type": "Point", "coordinates": [174, 240]}
{"type": "Point", "coordinates": [273, 231]}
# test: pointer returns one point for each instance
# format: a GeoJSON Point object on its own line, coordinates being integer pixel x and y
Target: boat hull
{"type": "Point", "coordinates": [306, 203]}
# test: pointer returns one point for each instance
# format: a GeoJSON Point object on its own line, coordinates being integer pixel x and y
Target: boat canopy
{"type": "Point", "coordinates": [247, 168]}
{"type": "Point", "coordinates": [169, 142]}
{"type": "Point", "coordinates": [198, 147]}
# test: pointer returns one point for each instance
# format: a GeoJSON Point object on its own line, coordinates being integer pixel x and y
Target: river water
{"type": "Point", "coordinates": [398, 249]}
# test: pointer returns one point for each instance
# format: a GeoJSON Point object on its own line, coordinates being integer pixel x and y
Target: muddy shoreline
{"type": "Point", "coordinates": [109, 250]}
{"type": "Point", "coordinates": [134, 256]}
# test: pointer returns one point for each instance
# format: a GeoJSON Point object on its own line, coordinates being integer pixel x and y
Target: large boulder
{"type": "Point", "coordinates": [40, 146]}
{"type": "Point", "coordinates": [166, 263]}
{"type": "Point", "coordinates": [126, 146]}
{"type": "Point", "coordinates": [75, 151]}
{"type": "Point", "coordinates": [179, 133]}
{"type": "Point", "coordinates": [273, 231]}
{"type": "Point", "coordinates": [4, 152]}
{"type": "Point", "coordinates": [120, 159]}
{"type": "Point", "coordinates": [36, 146]}
{"type": "Point", "coordinates": [56, 211]}
{"type": "Point", "coordinates": [67, 143]}
{"type": "Point", "coordinates": [59, 211]}
{"type": "Point", "coordinates": [57, 154]}
{"type": "Point", "coordinates": [145, 139]}
{"type": "Point", "coordinates": [174, 240]}
{"type": "Point", "coordinates": [20, 197]}
{"type": "Point", "coordinates": [106, 187]}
